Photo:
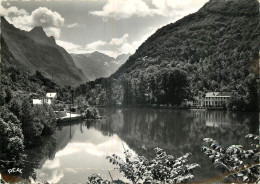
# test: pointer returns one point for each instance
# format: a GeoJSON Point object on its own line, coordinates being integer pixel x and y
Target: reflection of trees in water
{"type": "Point", "coordinates": [178, 131]}
{"type": "Point", "coordinates": [38, 155]}
{"type": "Point", "coordinates": [226, 127]}
{"type": "Point", "coordinates": [179, 128]}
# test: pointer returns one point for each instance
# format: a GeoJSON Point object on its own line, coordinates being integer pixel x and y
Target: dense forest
{"type": "Point", "coordinates": [214, 49]}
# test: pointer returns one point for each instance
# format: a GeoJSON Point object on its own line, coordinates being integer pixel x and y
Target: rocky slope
{"type": "Point", "coordinates": [36, 52]}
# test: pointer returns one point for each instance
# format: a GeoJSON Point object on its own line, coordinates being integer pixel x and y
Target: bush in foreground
{"type": "Point", "coordinates": [237, 163]}
{"type": "Point", "coordinates": [162, 168]}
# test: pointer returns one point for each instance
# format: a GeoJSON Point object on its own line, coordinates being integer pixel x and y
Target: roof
{"type": "Point", "coordinates": [225, 93]}
{"type": "Point", "coordinates": [218, 94]}
{"type": "Point", "coordinates": [51, 95]}
{"type": "Point", "coordinates": [212, 94]}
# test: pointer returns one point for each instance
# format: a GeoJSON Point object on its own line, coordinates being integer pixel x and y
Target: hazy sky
{"type": "Point", "coordinates": [109, 26]}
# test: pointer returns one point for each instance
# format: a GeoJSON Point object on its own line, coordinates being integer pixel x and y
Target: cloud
{"type": "Point", "coordinates": [73, 25]}
{"type": "Point", "coordinates": [51, 21]}
{"type": "Point", "coordinates": [119, 41]}
{"type": "Point", "coordinates": [177, 9]}
{"type": "Point", "coordinates": [115, 47]}
{"type": "Point", "coordinates": [70, 47]}
{"type": "Point", "coordinates": [127, 48]}
{"type": "Point", "coordinates": [123, 9]}
{"type": "Point", "coordinates": [46, 18]}
{"type": "Point", "coordinates": [95, 45]}
{"type": "Point", "coordinates": [11, 11]}
{"type": "Point", "coordinates": [127, 8]}
{"type": "Point", "coordinates": [52, 31]}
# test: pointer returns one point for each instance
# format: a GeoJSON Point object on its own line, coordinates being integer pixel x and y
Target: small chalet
{"type": "Point", "coordinates": [51, 98]}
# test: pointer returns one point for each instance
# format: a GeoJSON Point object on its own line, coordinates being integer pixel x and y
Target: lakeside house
{"type": "Point", "coordinates": [216, 99]}
{"type": "Point", "coordinates": [210, 99]}
{"type": "Point", "coordinates": [49, 99]}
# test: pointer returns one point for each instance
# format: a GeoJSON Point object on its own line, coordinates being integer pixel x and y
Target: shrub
{"type": "Point", "coordinates": [238, 164]}
{"type": "Point", "coordinates": [162, 168]}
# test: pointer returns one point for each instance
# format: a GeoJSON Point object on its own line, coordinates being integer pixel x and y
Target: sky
{"type": "Point", "coordinates": [112, 27]}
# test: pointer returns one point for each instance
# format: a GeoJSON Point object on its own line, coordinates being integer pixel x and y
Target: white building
{"type": "Point", "coordinates": [51, 95]}
{"type": "Point", "coordinates": [49, 99]}
{"type": "Point", "coordinates": [37, 101]}
{"type": "Point", "coordinates": [216, 99]}
{"type": "Point", "coordinates": [212, 99]}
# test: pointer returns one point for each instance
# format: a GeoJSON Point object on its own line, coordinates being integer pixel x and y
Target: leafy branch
{"type": "Point", "coordinates": [237, 163]}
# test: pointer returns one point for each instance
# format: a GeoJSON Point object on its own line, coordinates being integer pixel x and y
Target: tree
{"type": "Point", "coordinates": [11, 141]}
{"type": "Point", "coordinates": [253, 94]}
{"type": "Point", "coordinates": [15, 106]}
{"type": "Point", "coordinates": [6, 115]}
{"type": "Point", "coordinates": [141, 91]}
{"type": "Point", "coordinates": [31, 125]}
{"type": "Point", "coordinates": [45, 116]}
{"type": "Point", "coordinates": [127, 92]}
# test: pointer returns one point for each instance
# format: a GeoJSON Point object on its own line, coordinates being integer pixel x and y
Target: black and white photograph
{"type": "Point", "coordinates": [129, 91]}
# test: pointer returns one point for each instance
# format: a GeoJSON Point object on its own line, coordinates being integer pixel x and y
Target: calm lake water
{"type": "Point", "coordinates": [77, 151]}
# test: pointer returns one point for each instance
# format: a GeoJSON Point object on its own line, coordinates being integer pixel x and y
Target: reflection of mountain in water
{"type": "Point", "coordinates": [178, 131]}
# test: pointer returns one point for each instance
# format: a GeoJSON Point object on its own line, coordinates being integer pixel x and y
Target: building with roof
{"type": "Point", "coordinates": [52, 95]}
{"type": "Point", "coordinates": [50, 98]}
{"type": "Point", "coordinates": [216, 99]}
{"type": "Point", "coordinates": [212, 99]}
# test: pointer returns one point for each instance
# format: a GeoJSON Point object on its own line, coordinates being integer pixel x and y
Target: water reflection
{"type": "Point", "coordinates": [179, 131]}
{"type": "Point", "coordinates": [80, 151]}
{"type": "Point", "coordinates": [75, 152]}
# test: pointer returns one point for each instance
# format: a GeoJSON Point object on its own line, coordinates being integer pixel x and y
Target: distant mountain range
{"type": "Point", "coordinates": [96, 65]}
{"type": "Point", "coordinates": [36, 52]}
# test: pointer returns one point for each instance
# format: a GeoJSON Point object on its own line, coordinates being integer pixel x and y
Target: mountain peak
{"type": "Point", "coordinates": [38, 30]}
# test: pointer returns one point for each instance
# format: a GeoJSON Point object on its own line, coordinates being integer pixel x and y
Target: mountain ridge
{"type": "Point", "coordinates": [37, 52]}
{"type": "Point", "coordinates": [97, 65]}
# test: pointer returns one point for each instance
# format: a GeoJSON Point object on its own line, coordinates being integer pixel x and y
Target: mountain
{"type": "Point", "coordinates": [16, 82]}
{"type": "Point", "coordinates": [36, 52]}
{"type": "Point", "coordinates": [96, 65]}
{"type": "Point", "coordinates": [214, 49]}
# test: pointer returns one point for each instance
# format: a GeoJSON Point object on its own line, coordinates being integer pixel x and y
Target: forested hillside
{"type": "Point", "coordinates": [214, 49]}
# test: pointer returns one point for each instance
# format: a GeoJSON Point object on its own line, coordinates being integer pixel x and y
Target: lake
{"type": "Point", "coordinates": [78, 150]}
